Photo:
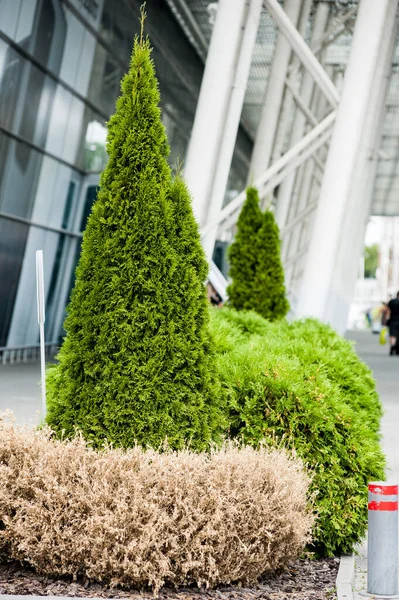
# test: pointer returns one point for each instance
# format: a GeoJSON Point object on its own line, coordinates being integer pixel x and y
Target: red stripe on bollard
{"type": "Point", "coordinates": [384, 490]}
{"type": "Point", "coordinates": [383, 505]}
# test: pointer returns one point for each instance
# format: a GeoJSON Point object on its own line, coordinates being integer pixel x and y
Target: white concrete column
{"type": "Point", "coordinates": [319, 289]}
{"type": "Point", "coordinates": [213, 103]}
{"type": "Point", "coordinates": [232, 121]}
{"type": "Point", "coordinates": [266, 132]}
{"type": "Point", "coordinates": [285, 193]}
{"type": "Point", "coordinates": [355, 223]}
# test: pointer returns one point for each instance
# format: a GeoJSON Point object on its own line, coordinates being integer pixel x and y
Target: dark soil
{"type": "Point", "coordinates": [303, 580]}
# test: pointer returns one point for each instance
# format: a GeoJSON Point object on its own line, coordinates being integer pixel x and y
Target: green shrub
{"type": "Point", "coordinates": [336, 356]}
{"type": "Point", "coordinates": [282, 386]}
{"type": "Point", "coordinates": [255, 263]}
{"type": "Point", "coordinates": [137, 362]}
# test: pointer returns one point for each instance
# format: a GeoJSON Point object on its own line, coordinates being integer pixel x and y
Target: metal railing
{"type": "Point", "coordinates": [25, 354]}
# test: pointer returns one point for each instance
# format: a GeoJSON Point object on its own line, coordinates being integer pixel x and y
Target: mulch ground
{"type": "Point", "coordinates": [303, 580]}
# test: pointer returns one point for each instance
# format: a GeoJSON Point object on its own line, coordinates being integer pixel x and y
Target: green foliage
{"type": "Point", "coordinates": [137, 363]}
{"type": "Point", "coordinates": [371, 260]}
{"type": "Point", "coordinates": [269, 294]}
{"type": "Point", "coordinates": [243, 253]}
{"type": "Point", "coordinates": [302, 385]}
{"type": "Point", "coordinates": [255, 264]}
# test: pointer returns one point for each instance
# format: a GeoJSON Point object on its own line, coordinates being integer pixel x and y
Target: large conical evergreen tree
{"type": "Point", "coordinates": [243, 253]}
{"type": "Point", "coordinates": [255, 263]}
{"type": "Point", "coordinates": [137, 364]}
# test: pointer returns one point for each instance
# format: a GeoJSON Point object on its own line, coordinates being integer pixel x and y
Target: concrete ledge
{"type": "Point", "coordinates": [346, 577]}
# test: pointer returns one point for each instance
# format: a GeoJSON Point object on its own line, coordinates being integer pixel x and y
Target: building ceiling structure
{"type": "Point", "coordinates": [196, 18]}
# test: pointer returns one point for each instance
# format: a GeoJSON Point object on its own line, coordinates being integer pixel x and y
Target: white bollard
{"type": "Point", "coordinates": [382, 555]}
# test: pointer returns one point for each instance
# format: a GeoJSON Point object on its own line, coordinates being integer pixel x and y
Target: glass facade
{"type": "Point", "coordinates": [61, 62]}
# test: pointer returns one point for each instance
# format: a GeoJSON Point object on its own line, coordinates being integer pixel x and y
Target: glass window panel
{"type": "Point", "coordinates": [13, 66]}
{"type": "Point", "coordinates": [119, 24]}
{"type": "Point", "coordinates": [75, 126]}
{"type": "Point", "coordinates": [91, 195]}
{"type": "Point", "coordinates": [58, 122]}
{"type": "Point", "coordinates": [25, 22]}
{"type": "Point", "coordinates": [9, 15]}
{"type": "Point", "coordinates": [105, 80]}
{"type": "Point", "coordinates": [19, 177]}
{"type": "Point", "coordinates": [36, 104]}
{"type": "Point", "coordinates": [93, 155]}
{"type": "Point", "coordinates": [47, 44]}
{"type": "Point", "coordinates": [78, 43]}
{"type": "Point", "coordinates": [12, 247]}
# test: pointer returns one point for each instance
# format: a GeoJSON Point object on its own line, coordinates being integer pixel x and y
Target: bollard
{"type": "Point", "coordinates": [382, 561]}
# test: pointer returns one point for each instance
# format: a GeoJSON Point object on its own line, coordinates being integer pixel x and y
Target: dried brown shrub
{"type": "Point", "coordinates": [141, 518]}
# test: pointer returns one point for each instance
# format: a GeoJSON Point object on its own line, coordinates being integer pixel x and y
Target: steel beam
{"type": "Point", "coordinates": [285, 126]}
{"type": "Point", "coordinates": [303, 51]}
{"type": "Point", "coordinates": [269, 119]}
{"type": "Point", "coordinates": [336, 29]}
{"type": "Point", "coordinates": [286, 190]}
{"type": "Point", "coordinates": [290, 160]}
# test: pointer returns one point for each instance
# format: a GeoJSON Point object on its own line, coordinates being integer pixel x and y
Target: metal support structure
{"type": "Point", "coordinates": [285, 126]}
{"type": "Point", "coordinates": [299, 100]}
{"type": "Point", "coordinates": [286, 189]}
{"type": "Point", "coordinates": [267, 128]}
{"type": "Point", "coordinates": [187, 20]}
{"type": "Point", "coordinates": [304, 193]}
{"type": "Point", "coordinates": [232, 121]}
{"type": "Point", "coordinates": [333, 32]}
{"type": "Point", "coordinates": [276, 173]}
{"type": "Point", "coordinates": [215, 92]}
{"type": "Point", "coordinates": [299, 196]}
{"type": "Point", "coordinates": [303, 51]}
{"type": "Point", "coordinates": [292, 224]}
{"type": "Point", "coordinates": [320, 293]}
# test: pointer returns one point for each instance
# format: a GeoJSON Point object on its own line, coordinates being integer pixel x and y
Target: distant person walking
{"type": "Point", "coordinates": [393, 323]}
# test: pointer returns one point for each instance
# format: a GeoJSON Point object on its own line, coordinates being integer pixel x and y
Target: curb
{"type": "Point", "coordinates": [346, 577]}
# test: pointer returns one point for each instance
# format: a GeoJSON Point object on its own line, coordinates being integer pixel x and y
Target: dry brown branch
{"type": "Point", "coordinates": [139, 518]}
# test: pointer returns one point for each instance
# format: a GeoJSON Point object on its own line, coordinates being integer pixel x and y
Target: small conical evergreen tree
{"type": "Point", "coordinates": [269, 294]}
{"type": "Point", "coordinates": [255, 263]}
{"type": "Point", "coordinates": [243, 253]}
{"type": "Point", "coordinates": [137, 364]}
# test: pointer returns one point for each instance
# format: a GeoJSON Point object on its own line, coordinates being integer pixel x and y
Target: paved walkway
{"type": "Point", "coordinates": [386, 372]}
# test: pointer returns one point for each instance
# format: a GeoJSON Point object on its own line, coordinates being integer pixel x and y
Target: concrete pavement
{"type": "Point", "coordinates": [386, 372]}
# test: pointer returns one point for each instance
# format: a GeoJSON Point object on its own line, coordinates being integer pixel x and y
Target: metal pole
{"type": "Point", "coordinates": [232, 121]}
{"type": "Point", "coordinates": [382, 553]}
{"type": "Point", "coordinates": [213, 102]}
{"type": "Point", "coordinates": [41, 319]}
{"type": "Point", "coordinates": [269, 119]}
{"type": "Point", "coordinates": [318, 290]}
